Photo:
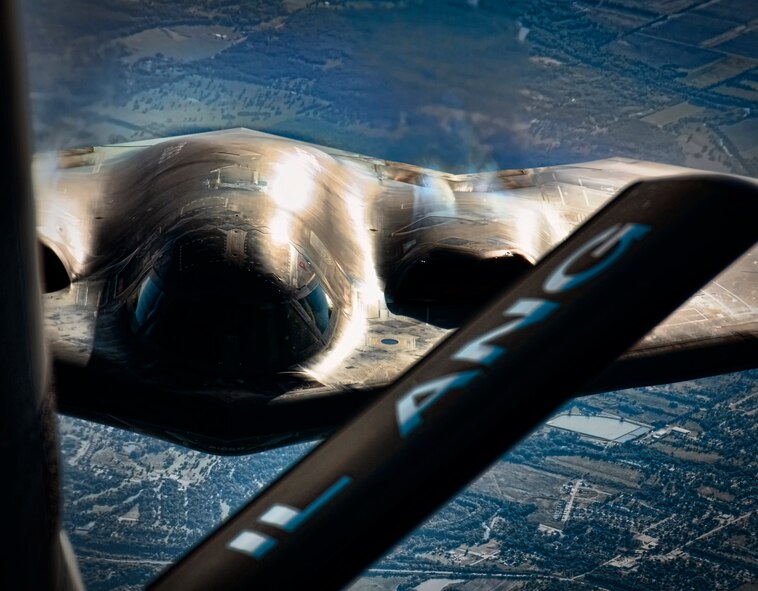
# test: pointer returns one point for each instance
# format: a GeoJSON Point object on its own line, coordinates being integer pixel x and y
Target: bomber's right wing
{"type": "Point", "coordinates": [527, 212]}
{"type": "Point", "coordinates": [716, 331]}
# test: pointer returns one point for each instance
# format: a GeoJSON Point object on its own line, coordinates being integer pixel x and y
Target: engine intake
{"type": "Point", "coordinates": [445, 286]}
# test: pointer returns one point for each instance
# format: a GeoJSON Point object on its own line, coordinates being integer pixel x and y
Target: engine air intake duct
{"type": "Point", "coordinates": [444, 286]}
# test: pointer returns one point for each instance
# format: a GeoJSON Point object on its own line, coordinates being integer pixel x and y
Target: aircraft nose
{"type": "Point", "coordinates": [211, 304]}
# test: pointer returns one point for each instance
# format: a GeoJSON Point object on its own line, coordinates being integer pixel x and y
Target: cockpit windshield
{"type": "Point", "coordinates": [243, 332]}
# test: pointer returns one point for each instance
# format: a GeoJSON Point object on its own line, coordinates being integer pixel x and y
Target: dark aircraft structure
{"type": "Point", "coordinates": [233, 291]}
{"type": "Point", "coordinates": [475, 395]}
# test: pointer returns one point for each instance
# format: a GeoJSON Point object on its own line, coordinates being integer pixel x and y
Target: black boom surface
{"type": "Point", "coordinates": [30, 490]}
{"type": "Point", "coordinates": [480, 391]}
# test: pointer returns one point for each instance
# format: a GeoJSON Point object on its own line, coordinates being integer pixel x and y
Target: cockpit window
{"type": "Point", "coordinates": [317, 306]}
{"type": "Point", "coordinates": [148, 302]}
{"type": "Point", "coordinates": [249, 330]}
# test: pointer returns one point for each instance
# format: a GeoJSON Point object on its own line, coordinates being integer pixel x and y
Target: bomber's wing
{"type": "Point", "coordinates": [714, 332]}
{"type": "Point", "coordinates": [523, 213]}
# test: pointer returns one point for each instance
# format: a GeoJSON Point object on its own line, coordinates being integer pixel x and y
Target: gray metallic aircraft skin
{"type": "Point", "coordinates": [238, 265]}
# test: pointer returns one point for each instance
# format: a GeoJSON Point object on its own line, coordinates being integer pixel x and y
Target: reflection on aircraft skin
{"type": "Point", "coordinates": [246, 273]}
{"type": "Point", "coordinates": [248, 257]}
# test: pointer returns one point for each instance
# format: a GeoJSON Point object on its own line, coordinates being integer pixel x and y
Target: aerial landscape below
{"type": "Point", "coordinates": [644, 488]}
